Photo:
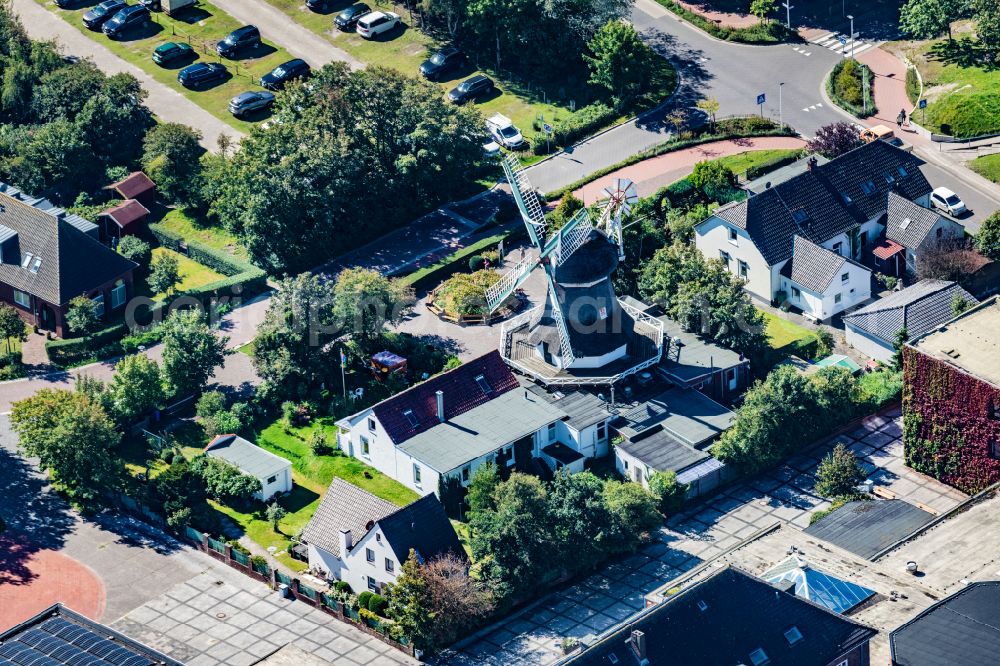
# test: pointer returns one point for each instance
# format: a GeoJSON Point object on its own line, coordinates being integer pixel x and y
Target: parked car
{"type": "Point", "coordinates": [201, 73]}
{"type": "Point", "coordinates": [282, 74]}
{"type": "Point", "coordinates": [171, 51]}
{"type": "Point", "coordinates": [348, 19]}
{"type": "Point", "coordinates": [317, 5]}
{"type": "Point", "coordinates": [441, 62]}
{"type": "Point", "coordinates": [128, 18]}
{"type": "Point", "coordinates": [248, 102]}
{"type": "Point", "coordinates": [374, 24]}
{"type": "Point", "coordinates": [502, 129]}
{"type": "Point", "coordinates": [151, 5]}
{"type": "Point", "coordinates": [470, 89]}
{"type": "Point", "coordinates": [96, 17]}
{"type": "Point", "coordinates": [247, 37]}
{"type": "Point", "coordinates": [944, 199]}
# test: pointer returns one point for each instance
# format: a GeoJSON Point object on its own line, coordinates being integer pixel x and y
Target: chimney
{"type": "Point", "coordinates": [440, 405]}
{"type": "Point", "coordinates": [811, 163]}
{"type": "Point", "coordinates": [638, 643]}
{"type": "Point", "coordinates": [345, 542]}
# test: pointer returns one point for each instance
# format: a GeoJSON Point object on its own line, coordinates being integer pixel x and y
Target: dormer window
{"type": "Point", "coordinates": [793, 635]}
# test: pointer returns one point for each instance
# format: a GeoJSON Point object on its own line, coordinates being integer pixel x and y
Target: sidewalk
{"type": "Point", "coordinates": [890, 92]}
{"type": "Point", "coordinates": [167, 104]}
{"type": "Point", "coordinates": [656, 172]}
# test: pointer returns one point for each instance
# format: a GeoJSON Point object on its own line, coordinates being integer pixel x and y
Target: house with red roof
{"type": "Point", "coordinates": [124, 219]}
{"type": "Point", "coordinates": [446, 427]}
{"type": "Point", "coordinates": [137, 186]}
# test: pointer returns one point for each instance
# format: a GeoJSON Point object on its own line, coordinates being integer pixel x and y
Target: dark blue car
{"type": "Point", "coordinates": [202, 73]}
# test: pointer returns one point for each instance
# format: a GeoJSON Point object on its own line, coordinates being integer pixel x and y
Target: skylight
{"type": "Point", "coordinates": [36, 265]}
{"type": "Point", "coordinates": [793, 635]}
{"type": "Point", "coordinates": [702, 606]}
{"type": "Point", "coordinates": [889, 178]}
{"type": "Point", "coordinates": [868, 187]}
{"type": "Point", "coordinates": [846, 197]}
{"type": "Point", "coordinates": [613, 658]}
{"type": "Point", "coordinates": [27, 260]}
{"type": "Point", "coordinates": [800, 215]}
{"type": "Point", "coordinates": [411, 417]}
{"type": "Point", "coordinates": [759, 657]}
{"type": "Point", "coordinates": [905, 223]}
{"type": "Point", "coordinates": [902, 172]}
{"type": "Point", "coordinates": [484, 385]}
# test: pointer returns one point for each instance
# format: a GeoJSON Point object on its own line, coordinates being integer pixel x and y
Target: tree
{"type": "Point", "coordinates": [580, 520]}
{"type": "Point", "coordinates": [634, 514]}
{"type": "Point", "coordinates": [410, 604]}
{"type": "Point", "coordinates": [135, 249]}
{"type": "Point", "coordinates": [171, 158]}
{"type": "Point", "coordinates": [191, 352]}
{"type": "Point", "coordinates": [81, 317]}
{"type": "Point", "coordinates": [164, 273]}
{"type": "Point", "coordinates": [209, 404]}
{"type": "Point", "coordinates": [838, 473]}
{"type": "Point", "coordinates": [670, 493]}
{"type": "Point", "coordinates": [986, 14]}
{"type": "Point", "coordinates": [924, 19]}
{"type": "Point", "coordinates": [224, 481]}
{"type": "Point", "coordinates": [453, 595]}
{"type": "Point", "coordinates": [988, 238]}
{"type": "Point", "coordinates": [897, 345]}
{"type": "Point", "coordinates": [711, 107]}
{"type": "Point", "coordinates": [11, 325]}
{"type": "Point", "coordinates": [275, 512]}
{"type": "Point", "coordinates": [952, 260]}
{"type": "Point", "coordinates": [135, 389]}
{"type": "Point", "coordinates": [762, 8]}
{"type": "Point", "coordinates": [181, 490]}
{"type": "Point", "coordinates": [291, 350]}
{"type": "Point", "coordinates": [72, 437]}
{"type": "Point", "coordinates": [621, 61]}
{"type": "Point", "coordinates": [55, 159]}
{"type": "Point", "coordinates": [482, 488]}
{"type": "Point", "coordinates": [713, 178]}
{"type": "Point", "coordinates": [568, 206]}
{"type": "Point", "coordinates": [835, 139]}
{"type": "Point", "coordinates": [365, 301]}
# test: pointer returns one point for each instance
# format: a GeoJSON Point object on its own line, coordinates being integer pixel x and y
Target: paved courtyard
{"type": "Point", "coordinates": [221, 616]}
{"type": "Point", "coordinates": [701, 533]}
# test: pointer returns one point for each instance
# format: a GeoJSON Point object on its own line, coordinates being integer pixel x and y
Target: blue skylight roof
{"type": "Point", "coordinates": [817, 586]}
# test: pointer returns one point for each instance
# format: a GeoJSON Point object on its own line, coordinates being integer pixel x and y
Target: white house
{"type": "Point", "coordinates": [273, 471]}
{"type": "Point", "coordinates": [839, 206]}
{"type": "Point", "coordinates": [919, 308]}
{"type": "Point", "coordinates": [910, 231]}
{"type": "Point", "coordinates": [821, 282]}
{"type": "Point", "coordinates": [450, 424]}
{"type": "Point", "coordinates": [364, 540]}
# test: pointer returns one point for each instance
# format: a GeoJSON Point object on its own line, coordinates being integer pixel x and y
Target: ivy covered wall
{"type": "Point", "coordinates": [949, 423]}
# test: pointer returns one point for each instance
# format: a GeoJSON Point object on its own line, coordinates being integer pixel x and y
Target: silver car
{"type": "Point", "coordinates": [248, 102]}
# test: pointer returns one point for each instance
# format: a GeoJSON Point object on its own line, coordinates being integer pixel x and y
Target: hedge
{"type": "Point", "coordinates": [761, 33]}
{"type": "Point", "coordinates": [583, 123]}
{"type": "Point", "coordinates": [913, 88]}
{"type": "Point", "coordinates": [447, 266]}
{"type": "Point", "coordinates": [239, 273]}
{"type": "Point", "coordinates": [773, 164]}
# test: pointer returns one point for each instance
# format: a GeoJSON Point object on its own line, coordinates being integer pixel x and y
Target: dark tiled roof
{"type": "Point", "coordinates": [662, 451]}
{"type": "Point", "coordinates": [741, 614]}
{"type": "Point", "coordinates": [72, 261]}
{"type": "Point", "coordinates": [127, 212]}
{"type": "Point", "coordinates": [461, 393]}
{"type": "Point", "coordinates": [833, 198]}
{"type": "Point", "coordinates": [907, 223]}
{"type": "Point", "coordinates": [135, 184]}
{"type": "Point", "coordinates": [422, 526]}
{"type": "Point", "coordinates": [59, 637]}
{"type": "Point", "coordinates": [344, 507]}
{"type": "Point", "coordinates": [919, 308]}
{"type": "Point", "coordinates": [865, 528]}
{"type": "Point", "coordinates": [961, 630]}
{"type": "Point", "coordinates": [812, 266]}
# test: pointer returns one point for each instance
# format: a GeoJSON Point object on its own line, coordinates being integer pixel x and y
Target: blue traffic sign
{"type": "Point", "coordinates": [842, 39]}
{"type": "Point", "coordinates": [922, 104]}
{"type": "Point", "coordinates": [547, 128]}
{"type": "Point", "coordinates": [761, 98]}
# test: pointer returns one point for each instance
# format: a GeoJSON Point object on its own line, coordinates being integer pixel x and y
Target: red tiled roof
{"type": "Point", "coordinates": [135, 184]}
{"type": "Point", "coordinates": [127, 212]}
{"type": "Point", "coordinates": [461, 393]}
{"type": "Point", "coordinates": [886, 249]}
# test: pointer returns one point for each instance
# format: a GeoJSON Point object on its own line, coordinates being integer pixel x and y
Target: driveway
{"type": "Point", "coordinates": [734, 74]}
{"type": "Point", "coordinates": [168, 104]}
{"type": "Point", "coordinates": [702, 532]}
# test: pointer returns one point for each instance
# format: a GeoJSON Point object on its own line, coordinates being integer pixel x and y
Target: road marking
{"type": "Point", "coordinates": [808, 54]}
{"type": "Point", "coordinates": [806, 109]}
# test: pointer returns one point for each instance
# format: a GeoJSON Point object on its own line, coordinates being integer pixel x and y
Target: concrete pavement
{"type": "Point", "coordinates": [169, 105]}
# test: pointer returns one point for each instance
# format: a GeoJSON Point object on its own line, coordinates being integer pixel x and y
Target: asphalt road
{"type": "Point", "coordinates": [733, 74]}
{"type": "Point", "coordinates": [982, 200]}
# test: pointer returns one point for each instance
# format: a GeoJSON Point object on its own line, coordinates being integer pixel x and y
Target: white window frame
{"type": "Point", "coordinates": [602, 431]}
{"type": "Point", "coordinates": [734, 236]}
{"type": "Point", "coordinates": [365, 447]}
{"type": "Point", "coordinates": [390, 566]}
{"type": "Point", "coordinates": [416, 475]}
{"type": "Point", "coordinates": [98, 304]}
{"type": "Point", "coordinates": [744, 268]}
{"type": "Point", "coordinates": [272, 479]}
{"type": "Point", "coordinates": [372, 583]}
{"type": "Point", "coordinates": [796, 293]}
{"type": "Point", "coordinates": [371, 424]}
{"type": "Point", "coordinates": [19, 295]}
{"type": "Point", "coordinates": [118, 295]}
{"type": "Point", "coordinates": [369, 555]}
{"type": "Point", "coordinates": [726, 258]}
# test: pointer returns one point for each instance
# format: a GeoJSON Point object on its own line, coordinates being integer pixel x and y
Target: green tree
{"type": "Point", "coordinates": [580, 520]}
{"type": "Point", "coordinates": [713, 178]}
{"type": "Point", "coordinates": [135, 389]}
{"type": "Point", "coordinates": [410, 604]}
{"type": "Point", "coordinates": [711, 107]}
{"type": "Point", "coordinates": [634, 514]}
{"type": "Point", "coordinates": [838, 473]}
{"type": "Point", "coordinates": [959, 305]}
{"type": "Point", "coordinates": [72, 437]}
{"type": "Point", "coordinates": [225, 482]}
{"type": "Point", "coordinates": [171, 157]}
{"type": "Point", "coordinates": [191, 352]}
{"type": "Point", "coordinates": [62, 93]}
{"type": "Point", "coordinates": [670, 493]}
{"type": "Point", "coordinates": [902, 335]}
{"type": "Point", "coordinates": [620, 60]}
{"type": "Point", "coordinates": [135, 249]}
{"type": "Point", "coordinates": [986, 14]}
{"type": "Point", "coordinates": [925, 19]}
{"type": "Point", "coordinates": [55, 159]}
{"type": "Point", "coordinates": [988, 237]}
{"type": "Point", "coordinates": [11, 325]}
{"type": "Point", "coordinates": [365, 301]}
{"type": "Point", "coordinates": [164, 273]}
{"type": "Point", "coordinates": [275, 513]}
{"type": "Point", "coordinates": [81, 317]}
{"type": "Point", "coordinates": [568, 206]}
{"type": "Point", "coordinates": [115, 120]}
{"type": "Point", "coordinates": [762, 8]}
{"type": "Point", "coordinates": [209, 404]}
{"type": "Point", "coordinates": [482, 489]}
{"type": "Point", "coordinates": [181, 490]}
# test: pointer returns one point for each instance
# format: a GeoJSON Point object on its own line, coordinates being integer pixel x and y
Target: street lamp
{"type": "Point", "coordinates": [851, 36]}
{"type": "Point", "coordinates": [781, 118]}
{"type": "Point", "coordinates": [788, 13]}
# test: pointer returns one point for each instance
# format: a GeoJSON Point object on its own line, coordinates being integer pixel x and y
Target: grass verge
{"type": "Point", "coordinates": [987, 166]}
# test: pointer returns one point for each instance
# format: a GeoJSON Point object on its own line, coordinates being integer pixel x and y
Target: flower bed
{"type": "Point", "coordinates": [462, 299]}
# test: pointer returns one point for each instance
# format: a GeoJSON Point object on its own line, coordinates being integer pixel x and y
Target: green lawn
{"type": "Point", "coordinates": [190, 227]}
{"type": "Point", "coordinates": [201, 26]}
{"type": "Point", "coordinates": [741, 162]}
{"type": "Point", "coordinates": [192, 273]}
{"type": "Point", "coordinates": [963, 95]}
{"type": "Point", "coordinates": [987, 166]}
{"type": "Point", "coordinates": [788, 338]}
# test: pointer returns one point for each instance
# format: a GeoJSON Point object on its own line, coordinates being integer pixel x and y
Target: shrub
{"type": "Point", "coordinates": [136, 249]}
{"type": "Point", "coordinates": [258, 562]}
{"type": "Point", "coordinates": [583, 122]}
{"type": "Point", "coordinates": [912, 85]}
{"type": "Point", "coordinates": [476, 262]}
{"type": "Point", "coordinates": [343, 586]}
{"type": "Point", "coordinates": [671, 494]}
{"type": "Point", "coordinates": [363, 598]}
{"type": "Point", "coordinates": [319, 444]}
{"type": "Point", "coordinates": [838, 473]}
{"type": "Point", "coordinates": [846, 88]}
{"type": "Point", "coordinates": [209, 404]}
{"type": "Point", "coordinates": [377, 604]}
{"type": "Point", "coordinates": [167, 456]}
{"type": "Point", "coordinates": [465, 293]}
{"type": "Point", "coordinates": [881, 387]}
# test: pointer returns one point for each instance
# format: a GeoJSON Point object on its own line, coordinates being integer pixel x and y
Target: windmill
{"type": "Point", "coordinates": [582, 325]}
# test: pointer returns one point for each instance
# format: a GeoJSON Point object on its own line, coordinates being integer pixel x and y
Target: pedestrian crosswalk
{"type": "Point", "coordinates": [843, 44]}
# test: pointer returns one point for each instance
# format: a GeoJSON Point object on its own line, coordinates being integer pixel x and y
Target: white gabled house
{"type": "Point", "coordinates": [451, 424]}
{"type": "Point", "coordinates": [911, 231]}
{"type": "Point", "coordinates": [273, 471]}
{"type": "Point", "coordinates": [364, 540]}
{"type": "Point", "coordinates": [839, 206]}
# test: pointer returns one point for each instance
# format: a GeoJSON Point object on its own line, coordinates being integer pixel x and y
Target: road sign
{"type": "Point", "coordinates": [922, 104]}
{"type": "Point", "coordinates": [547, 128]}
{"type": "Point", "coordinates": [761, 98]}
{"type": "Point", "coordinates": [842, 39]}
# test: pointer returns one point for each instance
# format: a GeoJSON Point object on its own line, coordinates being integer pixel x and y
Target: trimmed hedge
{"type": "Point", "coordinates": [761, 33]}
{"type": "Point", "coordinates": [858, 111]}
{"type": "Point", "coordinates": [73, 350]}
{"type": "Point", "coordinates": [444, 268]}
{"type": "Point", "coordinates": [912, 85]}
{"type": "Point", "coordinates": [250, 279]}
{"type": "Point", "coordinates": [583, 123]}
{"type": "Point", "coordinates": [773, 164]}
